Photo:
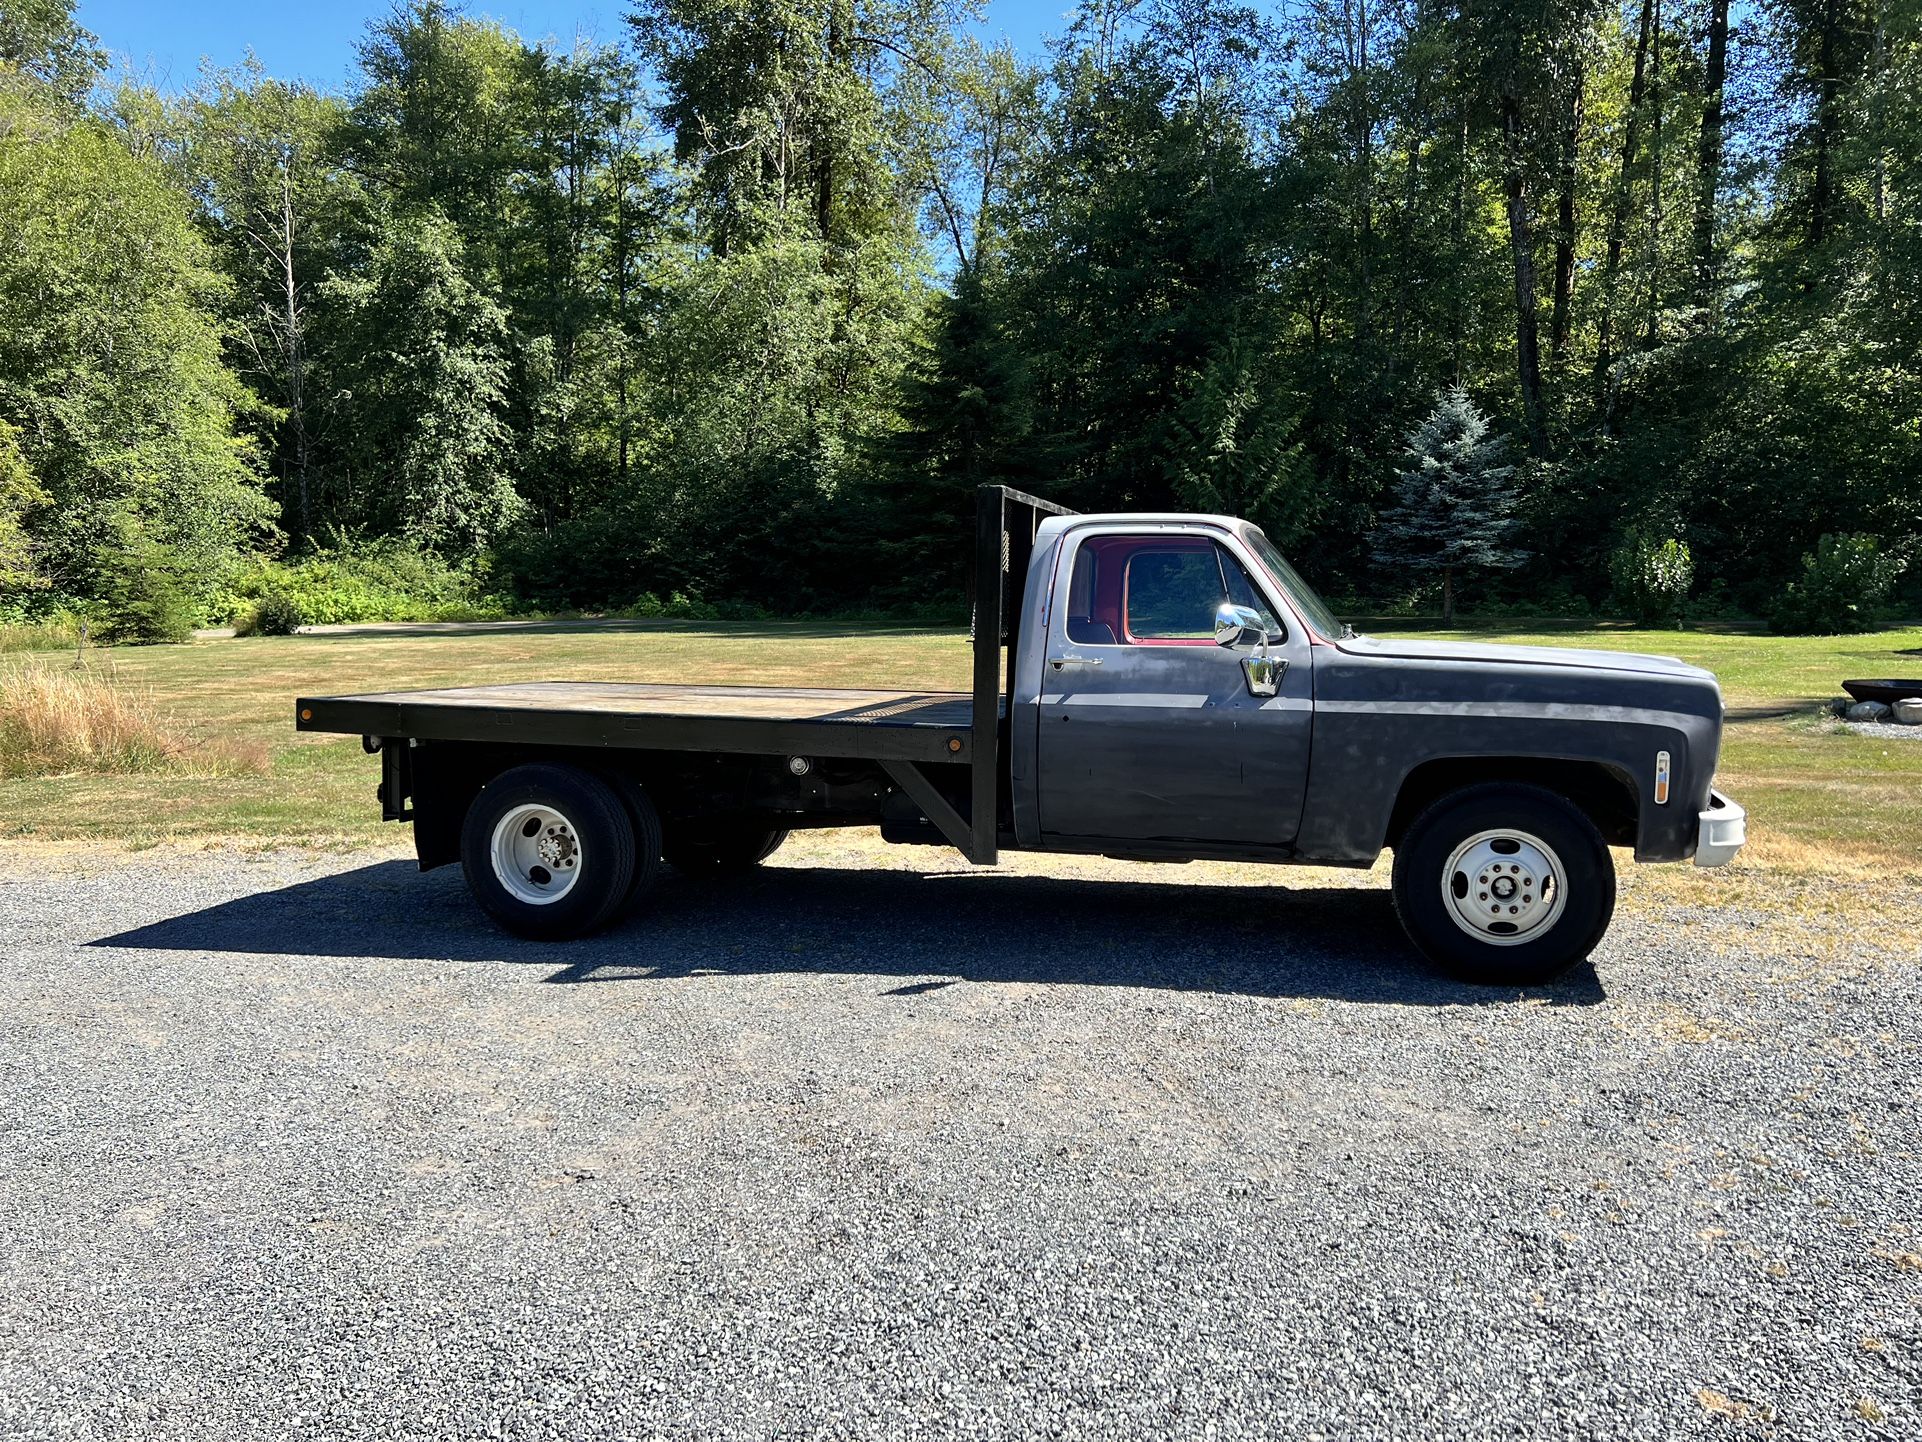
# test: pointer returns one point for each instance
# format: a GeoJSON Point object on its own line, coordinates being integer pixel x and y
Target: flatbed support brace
{"type": "Point", "coordinates": [949, 822]}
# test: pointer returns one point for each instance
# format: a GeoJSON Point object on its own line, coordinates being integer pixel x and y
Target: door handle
{"type": "Point", "coordinates": [1061, 663]}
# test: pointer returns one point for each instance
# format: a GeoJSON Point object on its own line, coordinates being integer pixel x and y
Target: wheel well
{"type": "Point", "coordinates": [1599, 791]}
{"type": "Point", "coordinates": [449, 775]}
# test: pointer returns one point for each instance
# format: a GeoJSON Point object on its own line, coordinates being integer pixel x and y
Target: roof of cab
{"type": "Point", "coordinates": [1055, 525]}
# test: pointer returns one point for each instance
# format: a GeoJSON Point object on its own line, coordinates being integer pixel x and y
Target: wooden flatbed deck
{"type": "Point", "coordinates": [768, 720]}
{"type": "Point", "coordinates": [899, 730]}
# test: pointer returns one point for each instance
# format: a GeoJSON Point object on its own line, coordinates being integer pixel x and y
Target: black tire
{"type": "Point", "coordinates": [716, 852]}
{"type": "Point", "coordinates": [1546, 827]}
{"type": "Point", "coordinates": [646, 822]}
{"type": "Point", "coordinates": [586, 853]}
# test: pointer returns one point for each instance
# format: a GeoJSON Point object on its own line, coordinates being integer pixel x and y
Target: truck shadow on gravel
{"type": "Point", "coordinates": [915, 932]}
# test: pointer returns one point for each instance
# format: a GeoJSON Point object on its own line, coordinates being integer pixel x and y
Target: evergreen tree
{"type": "Point", "coordinates": [1233, 449]}
{"type": "Point", "coordinates": [1137, 265]}
{"type": "Point", "coordinates": [968, 415]}
{"type": "Point", "coordinates": [1454, 506]}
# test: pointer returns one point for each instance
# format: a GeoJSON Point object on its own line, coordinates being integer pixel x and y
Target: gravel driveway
{"type": "Point", "coordinates": [297, 1146]}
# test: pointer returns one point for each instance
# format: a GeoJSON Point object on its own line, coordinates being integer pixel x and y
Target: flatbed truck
{"type": "Point", "coordinates": [1159, 687]}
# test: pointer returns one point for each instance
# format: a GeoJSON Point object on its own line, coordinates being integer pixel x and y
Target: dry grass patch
{"type": "Point", "coordinates": [1733, 1409]}
{"type": "Point", "coordinates": [62, 720]}
{"type": "Point", "coordinates": [1903, 1261]}
{"type": "Point", "coordinates": [1676, 1023]}
{"type": "Point", "coordinates": [1834, 915]}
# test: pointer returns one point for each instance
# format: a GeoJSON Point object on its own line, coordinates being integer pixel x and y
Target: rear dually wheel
{"type": "Point", "coordinates": [548, 851]}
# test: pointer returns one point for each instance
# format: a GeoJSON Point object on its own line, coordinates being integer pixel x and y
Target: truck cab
{"type": "Point", "coordinates": [1179, 691]}
{"type": "Point", "coordinates": [1132, 724]}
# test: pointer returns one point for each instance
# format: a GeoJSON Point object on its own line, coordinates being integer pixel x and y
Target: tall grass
{"type": "Point", "coordinates": [56, 720]}
{"type": "Point", "coordinates": [39, 636]}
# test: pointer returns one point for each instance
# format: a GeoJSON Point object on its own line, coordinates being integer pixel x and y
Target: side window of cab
{"type": "Point", "coordinates": [1083, 626]}
{"type": "Point", "coordinates": [1172, 595]}
{"type": "Point", "coordinates": [1155, 591]}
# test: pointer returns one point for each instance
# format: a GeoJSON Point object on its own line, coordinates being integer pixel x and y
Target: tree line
{"type": "Point", "coordinates": [742, 306]}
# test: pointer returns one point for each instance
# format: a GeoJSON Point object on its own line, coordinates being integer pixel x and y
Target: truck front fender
{"type": "Point", "coordinates": [1373, 771]}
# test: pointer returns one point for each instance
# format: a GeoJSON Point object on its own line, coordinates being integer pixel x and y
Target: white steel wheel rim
{"type": "Point", "coordinates": [1504, 887]}
{"type": "Point", "coordinates": [537, 854]}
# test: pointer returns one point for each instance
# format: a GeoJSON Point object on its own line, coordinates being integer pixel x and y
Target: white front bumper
{"type": "Point", "coordinates": [1720, 831]}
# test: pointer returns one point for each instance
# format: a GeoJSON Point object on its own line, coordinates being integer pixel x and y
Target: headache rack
{"type": "Point", "coordinates": [1005, 523]}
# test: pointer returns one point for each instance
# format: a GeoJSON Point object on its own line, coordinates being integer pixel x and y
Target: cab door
{"type": "Point", "coordinates": [1148, 730]}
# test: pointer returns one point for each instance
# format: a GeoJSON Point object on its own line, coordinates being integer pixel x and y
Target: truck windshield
{"type": "Point", "coordinates": [1313, 608]}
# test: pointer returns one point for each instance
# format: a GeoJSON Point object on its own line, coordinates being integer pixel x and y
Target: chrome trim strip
{"type": "Point", "coordinates": [1518, 710]}
{"type": "Point", "coordinates": [1133, 698]}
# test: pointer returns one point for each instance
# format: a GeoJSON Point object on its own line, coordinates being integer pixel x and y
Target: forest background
{"type": "Point", "coordinates": [733, 315]}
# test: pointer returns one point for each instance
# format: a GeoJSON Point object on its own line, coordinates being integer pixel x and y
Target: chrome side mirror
{"type": "Point", "coordinates": [1239, 626]}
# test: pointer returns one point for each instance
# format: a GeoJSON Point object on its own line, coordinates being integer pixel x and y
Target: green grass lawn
{"type": "Point", "coordinates": [1815, 796]}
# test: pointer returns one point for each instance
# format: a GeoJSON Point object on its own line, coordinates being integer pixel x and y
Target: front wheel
{"type": "Point", "coordinates": [1507, 885]}
{"type": "Point", "coordinates": [548, 851]}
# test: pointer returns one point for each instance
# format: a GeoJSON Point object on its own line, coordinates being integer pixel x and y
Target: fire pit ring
{"type": "Point", "coordinates": [1887, 692]}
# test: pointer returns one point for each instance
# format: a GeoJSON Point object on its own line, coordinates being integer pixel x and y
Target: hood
{"type": "Point", "coordinates": [1523, 656]}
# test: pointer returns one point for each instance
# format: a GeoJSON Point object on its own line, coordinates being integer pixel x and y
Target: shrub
{"type": "Point", "coordinates": [146, 596]}
{"type": "Point", "coordinates": [58, 719]}
{"type": "Point", "coordinates": [358, 581]}
{"type": "Point", "coordinates": [586, 564]}
{"type": "Point", "coordinates": [1843, 580]}
{"type": "Point", "coordinates": [677, 607]}
{"type": "Point", "coordinates": [20, 494]}
{"type": "Point", "coordinates": [276, 614]}
{"type": "Point", "coordinates": [1653, 578]}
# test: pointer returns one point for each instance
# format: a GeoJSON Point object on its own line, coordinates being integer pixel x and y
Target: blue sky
{"type": "Point", "coordinates": [164, 42]}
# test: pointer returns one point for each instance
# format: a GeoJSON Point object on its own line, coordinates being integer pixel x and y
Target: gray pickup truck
{"type": "Point", "coordinates": [1153, 687]}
